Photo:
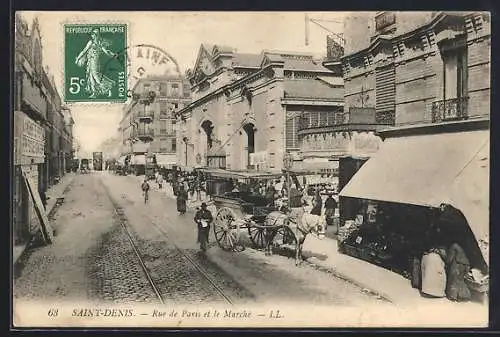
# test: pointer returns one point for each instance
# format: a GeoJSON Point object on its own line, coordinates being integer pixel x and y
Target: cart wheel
{"type": "Point", "coordinates": [226, 229]}
{"type": "Point", "coordinates": [285, 239]}
{"type": "Point", "coordinates": [257, 236]}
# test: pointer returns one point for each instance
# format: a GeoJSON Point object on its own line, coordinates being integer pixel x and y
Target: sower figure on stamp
{"type": "Point", "coordinates": [96, 82]}
{"type": "Point", "coordinates": [203, 219]}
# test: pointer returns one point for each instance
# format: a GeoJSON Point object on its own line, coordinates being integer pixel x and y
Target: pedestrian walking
{"type": "Point", "coordinates": [182, 196]}
{"type": "Point", "coordinates": [270, 194]}
{"type": "Point", "coordinates": [318, 204]}
{"type": "Point", "coordinates": [203, 219]}
{"type": "Point", "coordinates": [145, 190]}
{"type": "Point", "coordinates": [159, 180]}
{"type": "Point", "coordinates": [294, 197]}
{"type": "Point", "coordinates": [330, 206]}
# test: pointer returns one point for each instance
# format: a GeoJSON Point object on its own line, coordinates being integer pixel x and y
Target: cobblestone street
{"type": "Point", "coordinates": [93, 258]}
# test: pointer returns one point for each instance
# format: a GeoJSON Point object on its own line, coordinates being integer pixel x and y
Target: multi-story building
{"type": "Point", "coordinates": [418, 67]}
{"type": "Point", "coordinates": [56, 122]}
{"type": "Point", "coordinates": [350, 131]}
{"type": "Point", "coordinates": [430, 73]}
{"type": "Point", "coordinates": [67, 141]}
{"type": "Point", "coordinates": [38, 129]}
{"type": "Point", "coordinates": [246, 108]}
{"type": "Point", "coordinates": [30, 116]}
{"type": "Point", "coordinates": [149, 126]}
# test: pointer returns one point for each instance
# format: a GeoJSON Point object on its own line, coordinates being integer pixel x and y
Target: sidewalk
{"type": "Point", "coordinates": [389, 285]}
{"type": "Point", "coordinates": [58, 190]}
{"type": "Point", "coordinates": [54, 192]}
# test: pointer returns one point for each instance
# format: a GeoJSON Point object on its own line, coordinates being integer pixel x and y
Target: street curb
{"type": "Point", "coordinates": [366, 288]}
{"type": "Point", "coordinates": [329, 270]}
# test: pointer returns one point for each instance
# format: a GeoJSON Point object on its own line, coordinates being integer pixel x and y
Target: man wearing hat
{"type": "Point", "coordinates": [203, 219]}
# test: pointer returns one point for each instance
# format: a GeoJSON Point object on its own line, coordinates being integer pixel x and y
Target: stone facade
{"type": "Point", "coordinates": [246, 107]}
{"type": "Point", "coordinates": [422, 67]}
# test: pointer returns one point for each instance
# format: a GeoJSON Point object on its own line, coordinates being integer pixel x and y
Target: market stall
{"type": "Point", "coordinates": [403, 189]}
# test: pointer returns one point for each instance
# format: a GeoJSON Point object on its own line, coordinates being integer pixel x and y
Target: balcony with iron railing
{"type": "Point", "coordinates": [454, 109]}
{"type": "Point", "coordinates": [364, 118]}
{"type": "Point", "coordinates": [145, 115]}
{"type": "Point", "coordinates": [313, 120]}
{"type": "Point", "coordinates": [143, 133]}
{"type": "Point", "coordinates": [166, 132]}
{"type": "Point", "coordinates": [384, 21]}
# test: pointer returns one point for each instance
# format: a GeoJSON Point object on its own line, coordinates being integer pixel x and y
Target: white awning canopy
{"type": "Point", "coordinates": [428, 170]}
{"type": "Point", "coordinates": [166, 160]}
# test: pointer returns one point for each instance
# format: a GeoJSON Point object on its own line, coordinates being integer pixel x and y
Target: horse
{"type": "Point", "coordinates": [308, 223]}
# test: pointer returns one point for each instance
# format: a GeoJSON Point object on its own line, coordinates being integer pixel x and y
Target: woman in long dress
{"type": "Point", "coordinates": [434, 272]}
{"type": "Point", "coordinates": [96, 82]}
{"type": "Point", "coordinates": [458, 266]}
{"type": "Point", "coordinates": [182, 196]}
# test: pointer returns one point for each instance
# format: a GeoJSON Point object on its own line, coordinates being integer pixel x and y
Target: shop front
{"type": "Point", "coordinates": [138, 163]}
{"type": "Point", "coordinates": [420, 179]}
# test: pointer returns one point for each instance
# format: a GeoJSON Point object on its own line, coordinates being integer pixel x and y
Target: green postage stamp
{"type": "Point", "coordinates": [95, 65]}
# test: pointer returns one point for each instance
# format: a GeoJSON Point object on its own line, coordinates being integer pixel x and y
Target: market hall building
{"type": "Point", "coordinates": [433, 167]}
{"type": "Point", "coordinates": [246, 108]}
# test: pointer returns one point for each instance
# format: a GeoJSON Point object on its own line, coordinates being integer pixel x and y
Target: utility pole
{"type": "Point", "coordinates": [363, 96]}
{"type": "Point", "coordinates": [307, 28]}
{"type": "Point", "coordinates": [317, 22]}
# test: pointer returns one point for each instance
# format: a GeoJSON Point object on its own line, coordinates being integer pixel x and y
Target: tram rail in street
{"type": "Point", "coordinates": [119, 211]}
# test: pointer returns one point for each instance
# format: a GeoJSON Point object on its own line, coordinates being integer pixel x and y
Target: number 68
{"type": "Point", "coordinates": [53, 312]}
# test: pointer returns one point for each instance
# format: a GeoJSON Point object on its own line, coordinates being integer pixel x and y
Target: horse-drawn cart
{"type": "Point", "coordinates": [239, 210]}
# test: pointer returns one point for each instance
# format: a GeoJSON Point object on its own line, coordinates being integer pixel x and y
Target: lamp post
{"type": "Point", "coordinates": [288, 163]}
{"type": "Point", "coordinates": [186, 140]}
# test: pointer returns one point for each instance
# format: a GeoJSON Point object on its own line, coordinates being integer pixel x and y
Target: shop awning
{"type": "Point", "coordinates": [428, 170]}
{"type": "Point", "coordinates": [470, 194]}
{"type": "Point", "coordinates": [221, 173]}
{"type": "Point", "coordinates": [166, 160]}
{"type": "Point", "coordinates": [138, 159]}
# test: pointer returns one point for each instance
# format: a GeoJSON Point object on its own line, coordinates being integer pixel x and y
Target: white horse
{"type": "Point", "coordinates": [301, 223]}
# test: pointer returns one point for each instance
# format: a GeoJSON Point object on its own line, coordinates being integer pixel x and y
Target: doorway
{"type": "Point", "coordinates": [249, 142]}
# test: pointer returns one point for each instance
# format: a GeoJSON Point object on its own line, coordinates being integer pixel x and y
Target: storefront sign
{"type": "Point", "coordinates": [140, 147]}
{"type": "Point", "coordinates": [337, 142]}
{"type": "Point", "coordinates": [29, 140]}
{"type": "Point", "coordinates": [259, 158]}
{"type": "Point", "coordinates": [365, 143]}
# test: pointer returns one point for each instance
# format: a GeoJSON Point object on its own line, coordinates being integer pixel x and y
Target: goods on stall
{"type": "Point", "coordinates": [477, 281]}
{"type": "Point", "coordinates": [346, 230]}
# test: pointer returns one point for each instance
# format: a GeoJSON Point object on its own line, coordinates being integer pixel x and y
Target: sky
{"type": "Point", "coordinates": [180, 34]}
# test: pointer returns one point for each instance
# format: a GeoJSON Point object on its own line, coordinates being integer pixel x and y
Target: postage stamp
{"type": "Point", "coordinates": [87, 47]}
